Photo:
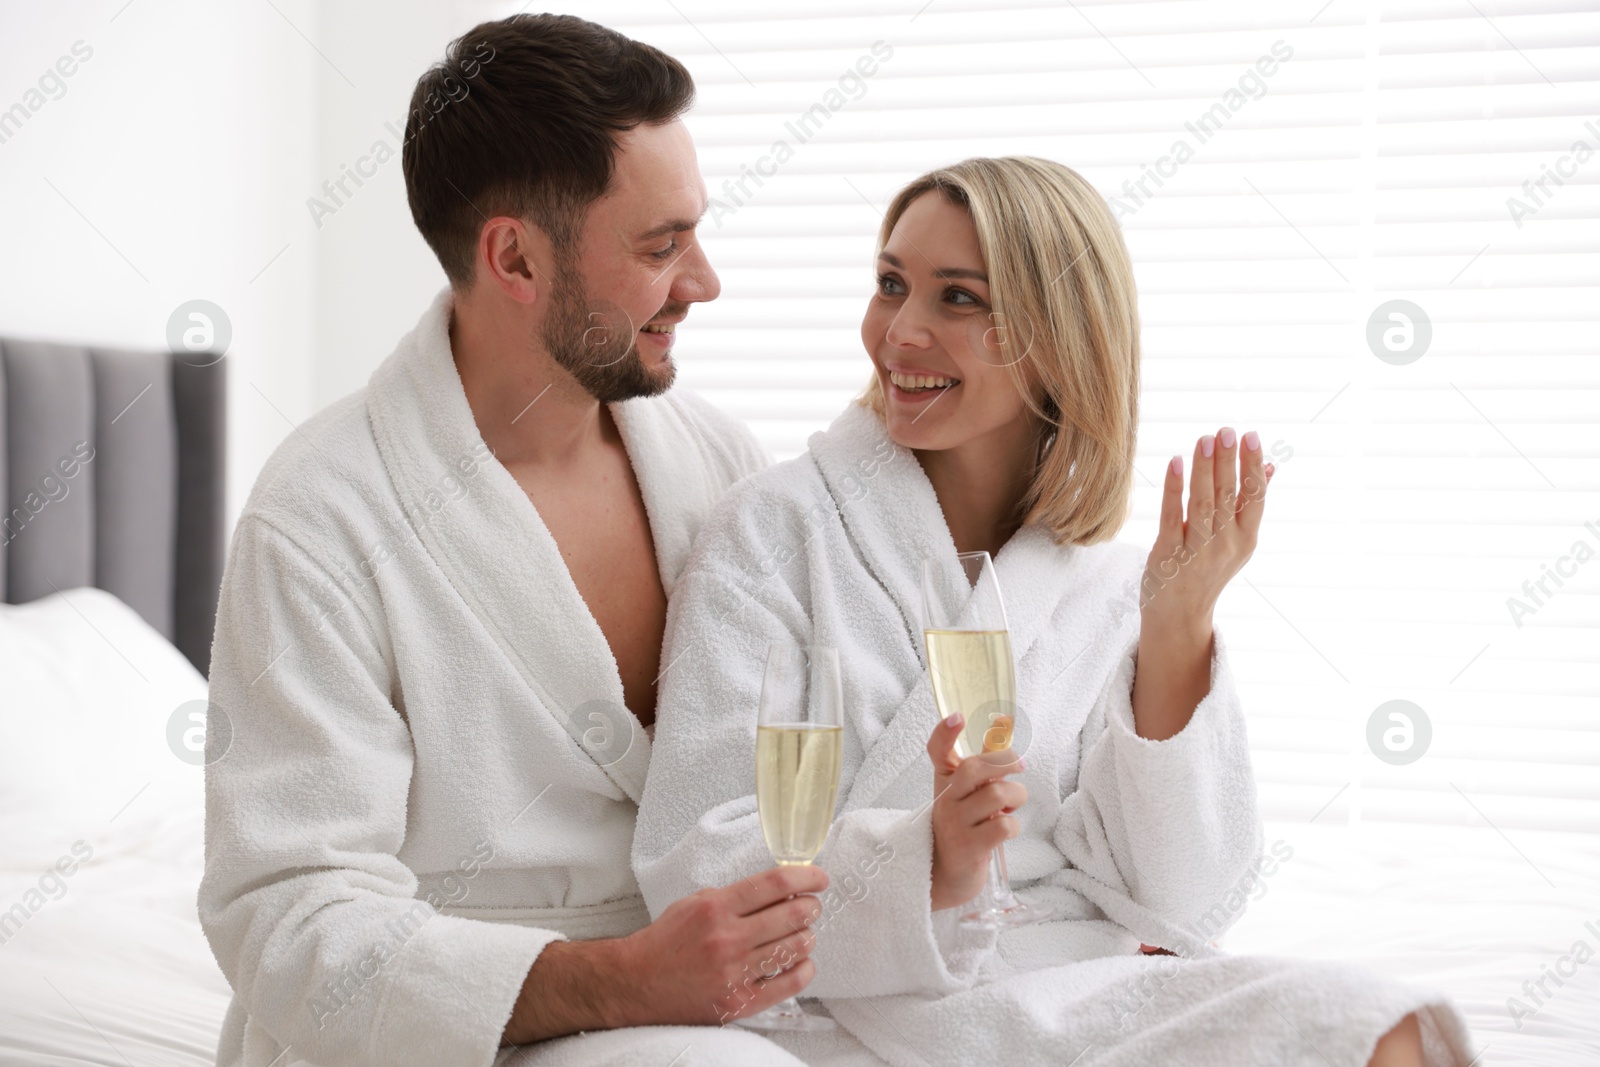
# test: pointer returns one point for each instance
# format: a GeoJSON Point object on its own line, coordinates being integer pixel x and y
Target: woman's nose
{"type": "Point", "coordinates": [909, 328]}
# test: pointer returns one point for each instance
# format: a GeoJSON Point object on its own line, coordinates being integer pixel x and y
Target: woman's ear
{"type": "Point", "coordinates": [1052, 411]}
{"type": "Point", "coordinates": [1040, 404]}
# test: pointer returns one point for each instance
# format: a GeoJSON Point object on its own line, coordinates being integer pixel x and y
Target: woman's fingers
{"type": "Point", "coordinates": [977, 772]}
{"type": "Point", "coordinates": [992, 798]}
{"type": "Point", "coordinates": [997, 831]}
{"type": "Point", "coordinates": [1171, 532]}
{"type": "Point", "coordinates": [1225, 509]}
{"type": "Point", "coordinates": [1253, 498]}
{"type": "Point", "coordinates": [942, 744]}
{"type": "Point", "coordinates": [1227, 483]}
{"type": "Point", "coordinates": [1202, 486]}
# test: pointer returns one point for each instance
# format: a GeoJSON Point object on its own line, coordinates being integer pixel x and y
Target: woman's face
{"type": "Point", "coordinates": [931, 334]}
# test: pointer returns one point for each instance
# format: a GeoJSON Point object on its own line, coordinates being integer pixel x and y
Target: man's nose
{"type": "Point", "coordinates": [696, 281]}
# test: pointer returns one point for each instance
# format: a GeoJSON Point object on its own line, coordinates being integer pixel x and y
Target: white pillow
{"type": "Point", "coordinates": [87, 692]}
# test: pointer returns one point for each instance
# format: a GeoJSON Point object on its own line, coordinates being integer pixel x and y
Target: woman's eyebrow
{"type": "Point", "coordinates": [939, 272]}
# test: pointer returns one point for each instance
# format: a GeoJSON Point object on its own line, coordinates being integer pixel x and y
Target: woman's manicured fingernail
{"type": "Point", "coordinates": [1177, 465]}
{"type": "Point", "coordinates": [953, 721]}
{"type": "Point", "coordinates": [1252, 441]}
{"type": "Point", "coordinates": [1228, 437]}
{"type": "Point", "coordinates": [1208, 445]}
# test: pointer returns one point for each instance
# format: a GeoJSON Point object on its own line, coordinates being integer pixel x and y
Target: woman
{"type": "Point", "coordinates": [1001, 416]}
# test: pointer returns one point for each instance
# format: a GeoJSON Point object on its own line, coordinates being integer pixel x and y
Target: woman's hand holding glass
{"type": "Point", "coordinates": [973, 678]}
{"type": "Point", "coordinates": [972, 813]}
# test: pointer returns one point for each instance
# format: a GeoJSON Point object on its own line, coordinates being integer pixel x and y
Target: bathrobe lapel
{"type": "Point", "coordinates": [487, 538]}
{"type": "Point", "coordinates": [893, 524]}
{"type": "Point", "coordinates": [676, 492]}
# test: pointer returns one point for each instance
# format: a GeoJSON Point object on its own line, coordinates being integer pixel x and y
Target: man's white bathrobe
{"type": "Point", "coordinates": [423, 771]}
{"type": "Point", "coordinates": [1135, 840]}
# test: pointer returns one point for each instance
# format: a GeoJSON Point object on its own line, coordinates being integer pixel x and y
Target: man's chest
{"type": "Point", "coordinates": [597, 518]}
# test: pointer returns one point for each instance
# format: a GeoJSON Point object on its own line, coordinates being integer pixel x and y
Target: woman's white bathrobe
{"type": "Point", "coordinates": [424, 714]}
{"type": "Point", "coordinates": [1135, 840]}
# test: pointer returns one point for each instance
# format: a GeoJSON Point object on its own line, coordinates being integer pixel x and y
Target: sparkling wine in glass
{"type": "Point", "coordinates": [972, 672]}
{"type": "Point", "coordinates": [799, 737]}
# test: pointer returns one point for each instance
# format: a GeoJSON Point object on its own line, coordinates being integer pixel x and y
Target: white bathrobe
{"type": "Point", "coordinates": [431, 773]}
{"type": "Point", "coordinates": [1135, 840]}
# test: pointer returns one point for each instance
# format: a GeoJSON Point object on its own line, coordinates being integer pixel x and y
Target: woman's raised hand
{"type": "Point", "coordinates": [1193, 560]}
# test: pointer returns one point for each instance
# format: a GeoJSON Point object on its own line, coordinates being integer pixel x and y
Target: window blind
{"type": "Point", "coordinates": [1283, 172]}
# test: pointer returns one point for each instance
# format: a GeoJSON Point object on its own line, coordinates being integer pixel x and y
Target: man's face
{"type": "Point", "coordinates": [618, 296]}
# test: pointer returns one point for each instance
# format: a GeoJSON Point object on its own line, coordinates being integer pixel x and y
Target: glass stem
{"type": "Point", "coordinates": [999, 879]}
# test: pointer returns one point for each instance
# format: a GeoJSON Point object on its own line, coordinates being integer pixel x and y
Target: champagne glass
{"type": "Point", "coordinates": [799, 741]}
{"type": "Point", "coordinates": [970, 666]}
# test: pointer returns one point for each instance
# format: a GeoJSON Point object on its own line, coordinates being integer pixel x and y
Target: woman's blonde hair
{"type": "Point", "coordinates": [1066, 321]}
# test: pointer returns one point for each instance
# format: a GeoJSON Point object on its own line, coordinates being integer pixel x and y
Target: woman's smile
{"type": "Point", "coordinates": [915, 385]}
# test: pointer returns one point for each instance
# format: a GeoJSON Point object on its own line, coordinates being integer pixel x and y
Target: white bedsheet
{"type": "Point", "coordinates": [1459, 909]}
{"type": "Point", "coordinates": [116, 970]}
{"type": "Point", "coordinates": [101, 960]}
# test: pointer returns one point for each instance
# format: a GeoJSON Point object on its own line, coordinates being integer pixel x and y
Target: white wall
{"type": "Point", "coordinates": [191, 139]}
{"type": "Point", "coordinates": [182, 140]}
{"type": "Point", "coordinates": [374, 274]}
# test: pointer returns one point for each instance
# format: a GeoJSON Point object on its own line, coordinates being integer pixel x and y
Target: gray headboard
{"type": "Point", "coordinates": [111, 472]}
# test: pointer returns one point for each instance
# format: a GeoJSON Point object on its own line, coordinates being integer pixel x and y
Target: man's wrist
{"type": "Point", "coordinates": [570, 988]}
{"type": "Point", "coordinates": [611, 973]}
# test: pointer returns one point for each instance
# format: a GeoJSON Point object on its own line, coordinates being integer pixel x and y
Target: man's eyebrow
{"type": "Point", "coordinates": [942, 272]}
{"type": "Point", "coordinates": [673, 226]}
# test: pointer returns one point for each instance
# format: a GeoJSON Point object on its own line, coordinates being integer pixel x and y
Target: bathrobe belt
{"type": "Point", "coordinates": [614, 918]}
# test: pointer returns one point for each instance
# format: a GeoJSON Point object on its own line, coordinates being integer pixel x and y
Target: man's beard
{"type": "Point", "coordinates": [599, 346]}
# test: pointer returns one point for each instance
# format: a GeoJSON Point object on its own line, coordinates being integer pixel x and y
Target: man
{"type": "Point", "coordinates": [440, 627]}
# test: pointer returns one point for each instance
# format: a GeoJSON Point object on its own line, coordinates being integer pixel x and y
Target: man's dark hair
{"type": "Point", "coordinates": [519, 119]}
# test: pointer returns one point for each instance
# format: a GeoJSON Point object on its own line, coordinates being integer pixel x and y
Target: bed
{"type": "Point", "coordinates": [110, 589]}
{"type": "Point", "coordinates": [111, 552]}
{"type": "Point", "coordinates": [1460, 909]}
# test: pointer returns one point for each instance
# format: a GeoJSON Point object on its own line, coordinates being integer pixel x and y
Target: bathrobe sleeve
{"type": "Point", "coordinates": [698, 823]}
{"type": "Point", "coordinates": [1172, 824]}
{"type": "Point", "coordinates": [309, 911]}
